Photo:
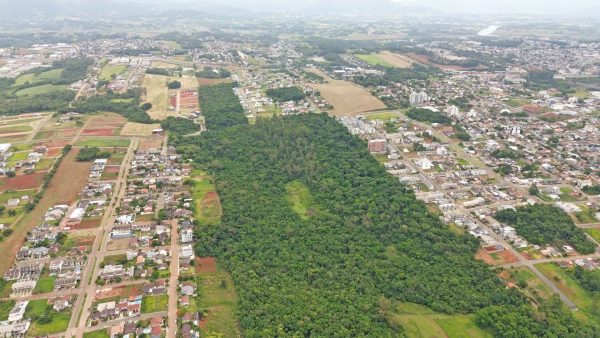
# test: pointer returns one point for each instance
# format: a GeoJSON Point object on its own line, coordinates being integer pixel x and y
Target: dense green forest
{"type": "Point", "coordinates": [426, 115]}
{"type": "Point", "coordinates": [36, 103]}
{"type": "Point", "coordinates": [179, 125]}
{"type": "Point", "coordinates": [286, 94]}
{"type": "Point", "coordinates": [91, 153]}
{"type": "Point", "coordinates": [367, 238]}
{"type": "Point", "coordinates": [543, 224]}
{"type": "Point", "coordinates": [220, 107]}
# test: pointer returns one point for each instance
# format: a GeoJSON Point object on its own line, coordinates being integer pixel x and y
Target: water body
{"type": "Point", "coordinates": [488, 31]}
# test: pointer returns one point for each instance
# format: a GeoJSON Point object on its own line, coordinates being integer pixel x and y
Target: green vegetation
{"type": "Point", "coordinates": [43, 89]}
{"type": "Point", "coordinates": [220, 106]}
{"type": "Point", "coordinates": [426, 115]}
{"type": "Point", "coordinates": [86, 154]}
{"type": "Point", "coordinates": [207, 209]}
{"type": "Point", "coordinates": [594, 233]}
{"type": "Point", "coordinates": [104, 142]}
{"type": "Point", "coordinates": [506, 153]}
{"type": "Point", "coordinates": [545, 224]}
{"type": "Point", "coordinates": [97, 334]}
{"type": "Point", "coordinates": [383, 116]}
{"type": "Point", "coordinates": [158, 71]}
{"type": "Point", "coordinates": [155, 303]}
{"type": "Point", "coordinates": [44, 284]}
{"type": "Point", "coordinates": [218, 298]}
{"type": "Point", "coordinates": [374, 60]}
{"type": "Point", "coordinates": [179, 125]}
{"type": "Point", "coordinates": [110, 72]}
{"type": "Point", "coordinates": [212, 73]}
{"type": "Point", "coordinates": [5, 307]}
{"type": "Point", "coordinates": [286, 94]}
{"type": "Point", "coordinates": [127, 104]}
{"type": "Point", "coordinates": [34, 78]}
{"type": "Point", "coordinates": [174, 85]}
{"type": "Point", "coordinates": [325, 275]}
{"type": "Point", "coordinates": [592, 189]}
{"type": "Point", "coordinates": [300, 199]}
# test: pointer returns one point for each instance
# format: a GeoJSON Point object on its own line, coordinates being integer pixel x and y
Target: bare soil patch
{"type": "Point", "coordinates": [206, 264]}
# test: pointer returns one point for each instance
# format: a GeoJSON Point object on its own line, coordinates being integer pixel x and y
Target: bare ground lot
{"type": "Point", "coordinates": [396, 60]}
{"type": "Point", "coordinates": [138, 129]}
{"type": "Point", "coordinates": [346, 97]}
{"type": "Point", "coordinates": [64, 187]}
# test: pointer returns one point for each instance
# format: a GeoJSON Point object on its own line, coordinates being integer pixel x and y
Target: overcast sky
{"type": "Point", "coordinates": [554, 7]}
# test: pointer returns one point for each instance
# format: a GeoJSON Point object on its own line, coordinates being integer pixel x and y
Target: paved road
{"type": "Point", "coordinates": [92, 269]}
{"type": "Point", "coordinates": [173, 294]}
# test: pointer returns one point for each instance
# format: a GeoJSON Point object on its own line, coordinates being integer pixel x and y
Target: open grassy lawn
{"type": "Point", "coordinates": [219, 302]}
{"type": "Point", "coordinates": [5, 288]}
{"type": "Point", "coordinates": [43, 89]}
{"type": "Point", "coordinates": [32, 78]}
{"type": "Point", "coordinates": [97, 334]}
{"type": "Point", "coordinates": [59, 323]}
{"type": "Point", "coordinates": [517, 102]}
{"type": "Point", "coordinates": [104, 142]}
{"type": "Point", "coordinates": [565, 195]}
{"type": "Point", "coordinates": [5, 307]}
{"type": "Point", "coordinates": [300, 199]}
{"type": "Point", "coordinates": [594, 233]}
{"type": "Point", "coordinates": [155, 303]}
{"type": "Point", "coordinates": [15, 129]}
{"type": "Point", "coordinates": [207, 205]}
{"type": "Point", "coordinates": [44, 284]}
{"type": "Point", "coordinates": [36, 308]}
{"type": "Point", "coordinates": [44, 164]}
{"type": "Point", "coordinates": [374, 60]}
{"type": "Point", "coordinates": [419, 321]}
{"type": "Point", "coordinates": [568, 285]}
{"type": "Point", "coordinates": [108, 71]}
{"type": "Point", "coordinates": [386, 116]}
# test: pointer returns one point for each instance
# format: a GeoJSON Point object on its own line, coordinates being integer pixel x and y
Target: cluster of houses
{"type": "Point", "coordinates": [28, 164]}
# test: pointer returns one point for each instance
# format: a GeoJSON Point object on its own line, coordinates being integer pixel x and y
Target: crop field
{"type": "Point", "coordinates": [104, 142]}
{"type": "Point", "coordinates": [64, 188]}
{"type": "Point", "coordinates": [15, 129]}
{"type": "Point", "coordinates": [220, 303]}
{"type": "Point", "coordinates": [346, 97]}
{"type": "Point", "coordinates": [138, 129]}
{"type": "Point", "coordinates": [106, 120]}
{"type": "Point", "coordinates": [101, 132]}
{"type": "Point", "coordinates": [32, 78]}
{"type": "Point", "coordinates": [22, 182]}
{"type": "Point", "coordinates": [43, 89]}
{"type": "Point", "coordinates": [108, 71]}
{"type": "Point", "coordinates": [55, 134]}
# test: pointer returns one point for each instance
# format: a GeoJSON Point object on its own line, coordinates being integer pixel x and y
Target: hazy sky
{"type": "Point", "coordinates": [554, 7]}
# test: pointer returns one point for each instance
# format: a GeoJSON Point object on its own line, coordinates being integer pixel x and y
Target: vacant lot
{"type": "Point", "coordinates": [64, 188]}
{"type": "Point", "coordinates": [396, 60]}
{"type": "Point", "coordinates": [109, 71]}
{"type": "Point", "coordinates": [212, 82]}
{"type": "Point", "coordinates": [155, 303]}
{"type": "Point", "coordinates": [220, 303]}
{"type": "Point", "coordinates": [151, 143]}
{"type": "Point", "coordinates": [22, 182]}
{"type": "Point", "coordinates": [32, 78]}
{"type": "Point", "coordinates": [44, 284]}
{"type": "Point", "coordinates": [157, 94]}
{"type": "Point", "coordinates": [208, 207]}
{"type": "Point", "coordinates": [346, 97]}
{"type": "Point", "coordinates": [106, 120]}
{"type": "Point", "coordinates": [15, 129]}
{"type": "Point", "coordinates": [138, 129]}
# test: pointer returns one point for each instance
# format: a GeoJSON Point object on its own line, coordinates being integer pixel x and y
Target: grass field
{"type": "Point", "coordinates": [220, 303]}
{"type": "Point", "coordinates": [569, 286]}
{"type": "Point", "coordinates": [374, 60]}
{"type": "Point", "coordinates": [346, 97]}
{"type": "Point", "coordinates": [108, 71]}
{"type": "Point", "coordinates": [386, 116]}
{"type": "Point", "coordinates": [53, 74]}
{"type": "Point", "coordinates": [594, 233]}
{"type": "Point", "coordinates": [419, 321]}
{"type": "Point", "coordinates": [15, 129]}
{"type": "Point", "coordinates": [97, 334]}
{"type": "Point", "coordinates": [104, 142]}
{"type": "Point", "coordinates": [36, 308]}
{"type": "Point", "coordinates": [64, 188]}
{"type": "Point", "coordinates": [43, 89]}
{"type": "Point", "coordinates": [138, 129]}
{"type": "Point", "coordinates": [517, 102]}
{"type": "Point", "coordinates": [207, 205]}
{"type": "Point", "coordinates": [44, 284]}
{"type": "Point", "coordinates": [19, 121]}
{"type": "Point", "coordinates": [300, 199]}
{"type": "Point", "coordinates": [59, 323]}
{"type": "Point", "coordinates": [155, 303]}
{"type": "Point", "coordinates": [534, 286]}
{"type": "Point", "coordinates": [584, 216]}
{"type": "Point", "coordinates": [157, 94]}
{"type": "Point", "coordinates": [164, 65]}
